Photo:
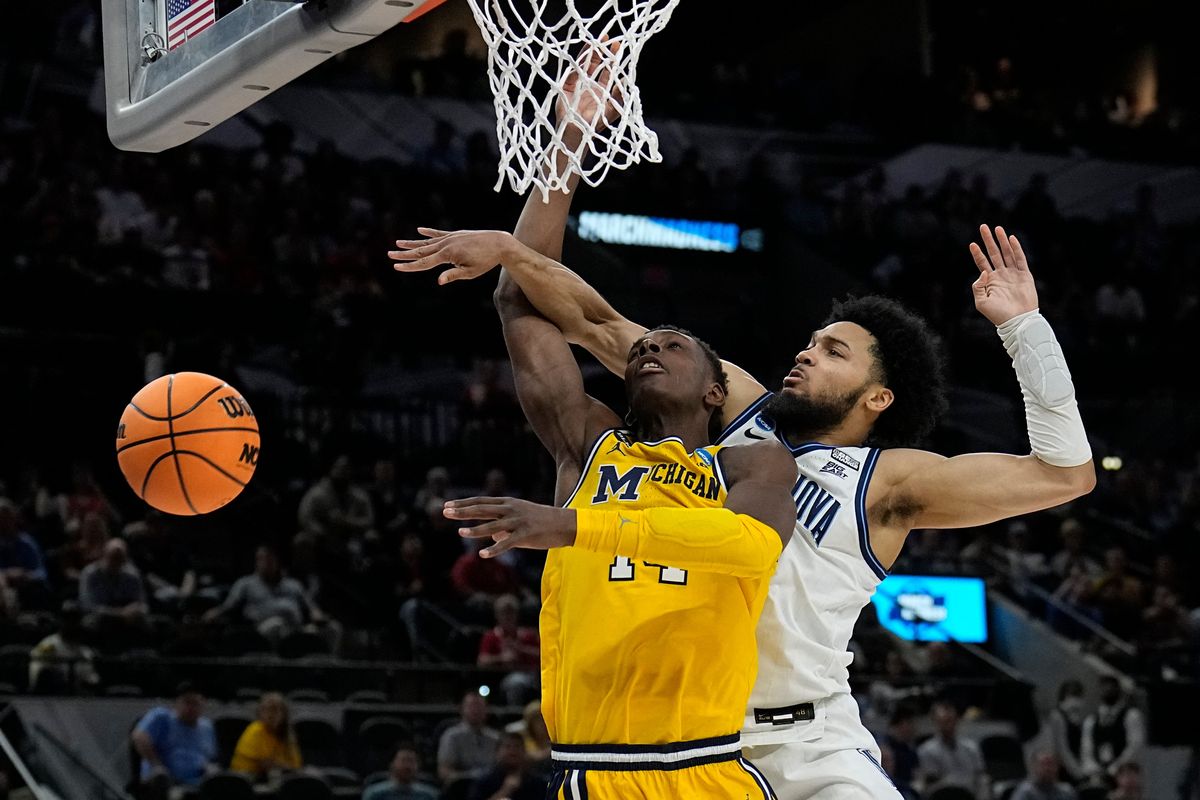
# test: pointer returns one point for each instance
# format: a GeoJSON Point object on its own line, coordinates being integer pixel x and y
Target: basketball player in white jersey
{"type": "Point", "coordinates": [871, 375]}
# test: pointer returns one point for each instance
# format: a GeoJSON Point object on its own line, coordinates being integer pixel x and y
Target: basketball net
{"type": "Point", "coordinates": [533, 53]}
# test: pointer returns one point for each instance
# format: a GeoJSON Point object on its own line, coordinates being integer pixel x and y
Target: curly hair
{"type": "Point", "coordinates": [908, 360]}
{"type": "Point", "coordinates": [716, 422]}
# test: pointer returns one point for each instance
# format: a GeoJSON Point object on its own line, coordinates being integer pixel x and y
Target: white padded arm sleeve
{"type": "Point", "coordinates": [1056, 431]}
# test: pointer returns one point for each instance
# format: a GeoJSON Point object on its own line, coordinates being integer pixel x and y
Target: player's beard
{"type": "Point", "coordinates": [802, 418]}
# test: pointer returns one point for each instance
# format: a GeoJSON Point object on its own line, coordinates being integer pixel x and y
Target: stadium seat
{"type": "Point", "coordinates": [304, 787]}
{"type": "Point", "coordinates": [248, 694]}
{"type": "Point", "coordinates": [320, 743]}
{"type": "Point", "coordinates": [302, 643]}
{"type": "Point", "coordinates": [123, 690]}
{"type": "Point", "coordinates": [228, 730]}
{"type": "Point", "coordinates": [308, 696]}
{"type": "Point", "coordinates": [226, 786]}
{"type": "Point", "coordinates": [377, 740]}
{"type": "Point", "coordinates": [340, 778]}
{"type": "Point", "coordinates": [367, 697]}
{"type": "Point", "coordinates": [376, 777]}
{"type": "Point", "coordinates": [243, 641]}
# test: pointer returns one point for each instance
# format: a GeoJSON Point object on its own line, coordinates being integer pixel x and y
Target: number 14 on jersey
{"type": "Point", "coordinates": [622, 569]}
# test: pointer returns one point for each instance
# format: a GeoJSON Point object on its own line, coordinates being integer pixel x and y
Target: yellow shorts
{"type": "Point", "coordinates": [706, 768]}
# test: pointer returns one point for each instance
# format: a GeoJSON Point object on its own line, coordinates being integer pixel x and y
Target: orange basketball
{"type": "Point", "coordinates": [188, 443]}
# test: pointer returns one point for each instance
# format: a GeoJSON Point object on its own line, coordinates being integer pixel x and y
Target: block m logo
{"type": "Point", "coordinates": [611, 483]}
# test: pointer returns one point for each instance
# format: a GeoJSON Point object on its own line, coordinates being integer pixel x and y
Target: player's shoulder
{"type": "Point", "coordinates": [896, 464]}
{"type": "Point", "coordinates": [766, 460]}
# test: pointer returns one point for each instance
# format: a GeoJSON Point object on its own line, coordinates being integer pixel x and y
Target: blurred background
{"type": "Point", "coordinates": [855, 149]}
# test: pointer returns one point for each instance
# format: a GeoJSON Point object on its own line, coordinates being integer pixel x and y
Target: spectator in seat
{"type": "Point", "coordinates": [87, 546]}
{"type": "Point", "coordinates": [273, 602]}
{"type": "Point", "coordinates": [112, 596]}
{"type": "Point", "coordinates": [467, 750]}
{"type": "Point", "coordinates": [511, 778]}
{"type": "Point", "coordinates": [269, 743]}
{"type": "Point", "coordinates": [479, 582]}
{"type": "Point", "coordinates": [901, 738]}
{"type": "Point", "coordinates": [1118, 595]}
{"type": "Point", "coordinates": [62, 662]}
{"type": "Point", "coordinates": [1064, 724]}
{"type": "Point", "coordinates": [1165, 623]}
{"type": "Point", "coordinates": [387, 501]}
{"type": "Point", "coordinates": [947, 759]}
{"type": "Point", "coordinates": [21, 560]}
{"type": "Point", "coordinates": [1043, 783]}
{"type": "Point", "coordinates": [335, 511]}
{"type": "Point", "coordinates": [1115, 734]}
{"type": "Point", "coordinates": [166, 562]}
{"type": "Point", "coordinates": [1072, 534]}
{"type": "Point", "coordinates": [532, 727]}
{"type": "Point", "coordinates": [178, 745]}
{"type": "Point", "coordinates": [402, 783]}
{"type": "Point", "coordinates": [512, 647]}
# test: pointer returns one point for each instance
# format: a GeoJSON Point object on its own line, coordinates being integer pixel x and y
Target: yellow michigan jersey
{"type": "Point", "coordinates": [635, 653]}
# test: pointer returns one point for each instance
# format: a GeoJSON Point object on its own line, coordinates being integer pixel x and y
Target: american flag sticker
{"type": "Point", "coordinates": [186, 18]}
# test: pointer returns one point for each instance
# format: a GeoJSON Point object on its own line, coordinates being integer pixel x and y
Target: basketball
{"type": "Point", "coordinates": [187, 443]}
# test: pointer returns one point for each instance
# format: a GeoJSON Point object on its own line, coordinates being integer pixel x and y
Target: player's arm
{"type": "Point", "coordinates": [549, 383]}
{"type": "Point", "coordinates": [743, 539]}
{"type": "Point", "coordinates": [917, 489]}
{"type": "Point", "coordinates": [579, 311]}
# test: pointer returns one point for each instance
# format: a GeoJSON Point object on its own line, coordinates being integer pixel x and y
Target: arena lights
{"type": "Point", "coordinates": [666, 232]}
{"type": "Point", "coordinates": [1111, 463]}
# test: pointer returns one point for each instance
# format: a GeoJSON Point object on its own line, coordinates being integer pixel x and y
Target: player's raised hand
{"type": "Point", "coordinates": [1005, 287]}
{"type": "Point", "coordinates": [513, 523]}
{"type": "Point", "coordinates": [589, 88]}
{"type": "Point", "coordinates": [469, 253]}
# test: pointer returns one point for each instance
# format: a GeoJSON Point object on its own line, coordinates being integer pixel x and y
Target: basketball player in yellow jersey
{"type": "Point", "coordinates": [660, 556]}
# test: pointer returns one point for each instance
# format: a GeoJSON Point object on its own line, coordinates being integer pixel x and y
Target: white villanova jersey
{"type": "Point", "coordinates": [826, 574]}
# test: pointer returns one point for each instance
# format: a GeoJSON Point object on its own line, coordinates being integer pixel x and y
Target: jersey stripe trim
{"type": "Point", "coordinates": [720, 473]}
{"type": "Point", "coordinates": [587, 465]}
{"type": "Point", "coordinates": [871, 757]}
{"type": "Point", "coordinates": [759, 778]}
{"type": "Point", "coordinates": [741, 418]}
{"type": "Point", "coordinates": [679, 755]}
{"type": "Point", "coordinates": [860, 508]}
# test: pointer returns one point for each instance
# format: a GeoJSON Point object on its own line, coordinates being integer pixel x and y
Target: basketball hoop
{"type": "Point", "coordinates": [532, 53]}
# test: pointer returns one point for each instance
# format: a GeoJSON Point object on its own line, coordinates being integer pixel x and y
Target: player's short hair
{"type": "Point", "coordinates": [908, 360]}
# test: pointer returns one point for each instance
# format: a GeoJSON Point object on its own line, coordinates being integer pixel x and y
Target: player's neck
{"type": "Point", "coordinates": [847, 434]}
{"type": "Point", "coordinates": [691, 429]}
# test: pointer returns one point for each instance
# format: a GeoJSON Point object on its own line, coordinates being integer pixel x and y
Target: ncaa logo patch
{"type": "Point", "coordinates": [764, 424]}
{"type": "Point", "coordinates": [705, 456]}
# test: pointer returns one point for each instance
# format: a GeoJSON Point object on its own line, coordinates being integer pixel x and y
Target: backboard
{"type": "Point", "coordinates": [175, 68]}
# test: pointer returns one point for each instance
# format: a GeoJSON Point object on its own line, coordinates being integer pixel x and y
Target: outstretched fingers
{"type": "Point", "coordinates": [993, 250]}
{"type": "Point", "coordinates": [476, 508]}
{"type": "Point", "coordinates": [487, 530]}
{"type": "Point", "coordinates": [1019, 259]}
{"type": "Point", "coordinates": [980, 259]}
{"type": "Point", "coordinates": [1006, 250]}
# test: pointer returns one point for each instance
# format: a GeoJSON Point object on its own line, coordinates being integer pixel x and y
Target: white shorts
{"type": "Point", "coordinates": [833, 757]}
